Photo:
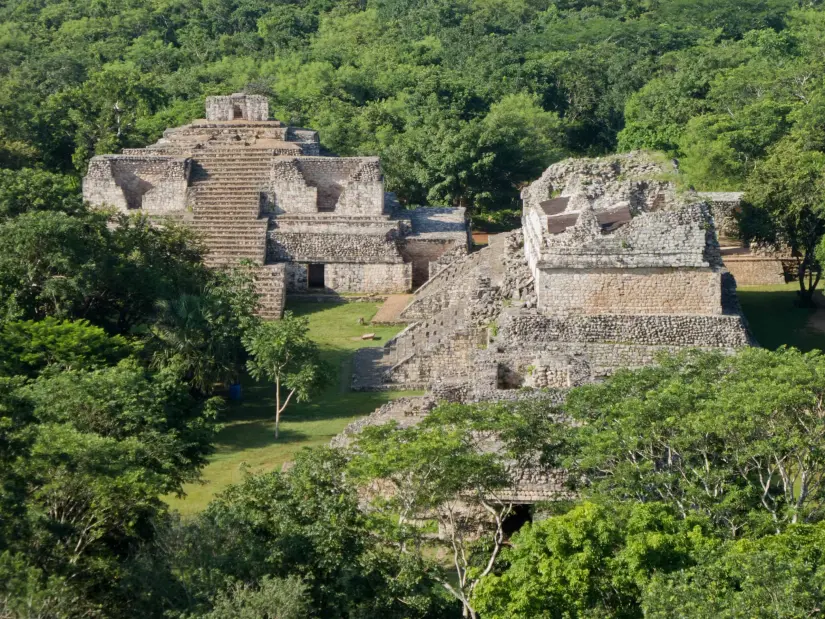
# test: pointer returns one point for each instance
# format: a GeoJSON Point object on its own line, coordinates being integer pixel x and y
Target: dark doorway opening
{"type": "Point", "coordinates": [420, 273]}
{"type": "Point", "coordinates": [236, 112]}
{"type": "Point", "coordinates": [508, 378]}
{"type": "Point", "coordinates": [521, 515]}
{"type": "Point", "coordinates": [315, 276]}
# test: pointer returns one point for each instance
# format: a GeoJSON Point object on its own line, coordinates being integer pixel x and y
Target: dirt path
{"type": "Point", "coordinates": [389, 313]}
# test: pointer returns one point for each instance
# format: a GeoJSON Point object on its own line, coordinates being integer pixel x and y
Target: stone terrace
{"type": "Point", "coordinates": [611, 269]}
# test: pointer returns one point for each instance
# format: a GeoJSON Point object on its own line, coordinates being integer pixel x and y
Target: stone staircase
{"type": "Point", "coordinates": [225, 196]}
{"type": "Point", "coordinates": [443, 329]}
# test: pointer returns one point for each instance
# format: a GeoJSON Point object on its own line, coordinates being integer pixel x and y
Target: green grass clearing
{"type": "Point", "coordinates": [247, 441]}
{"type": "Point", "coordinates": [775, 319]}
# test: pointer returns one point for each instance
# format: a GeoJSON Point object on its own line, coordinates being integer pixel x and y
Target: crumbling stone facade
{"type": "Point", "coordinates": [258, 190]}
{"type": "Point", "coordinates": [611, 267]}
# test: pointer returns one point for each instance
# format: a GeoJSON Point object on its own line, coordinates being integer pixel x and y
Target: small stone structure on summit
{"type": "Point", "coordinates": [261, 191]}
{"type": "Point", "coordinates": [611, 267]}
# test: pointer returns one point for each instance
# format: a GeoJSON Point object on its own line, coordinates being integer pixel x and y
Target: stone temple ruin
{"type": "Point", "coordinates": [610, 267]}
{"type": "Point", "coordinates": [261, 191]}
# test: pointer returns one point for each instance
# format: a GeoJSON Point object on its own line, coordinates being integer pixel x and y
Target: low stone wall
{"type": "Point", "coordinates": [752, 270]}
{"type": "Point", "coordinates": [307, 247]}
{"type": "Point", "coordinates": [630, 291]}
{"type": "Point", "coordinates": [152, 183]}
{"type": "Point", "coordinates": [532, 328]}
{"type": "Point", "coordinates": [353, 278]}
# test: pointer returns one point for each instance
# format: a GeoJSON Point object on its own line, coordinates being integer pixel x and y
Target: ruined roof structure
{"type": "Point", "coordinates": [612, 265]}
{"type": "Point", "coordinates": [259, 190]}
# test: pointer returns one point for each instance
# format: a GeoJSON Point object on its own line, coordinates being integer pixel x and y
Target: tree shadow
{"type": "Point", "coordinates": [255, 435]}
{"type": "Point", "coordinates": [777, 320]}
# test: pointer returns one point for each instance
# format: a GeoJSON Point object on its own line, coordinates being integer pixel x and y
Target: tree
{"type": "Point", "coordinates": [27, 190]}
{"type": "Point", "coordinates": [276, 598]}
{"type": "Point", "coordinates": [456, 467]}
{"type": "Point", "coordinates": [33, 347]}
{"type": "Point", "coordinates": [737, 439]}
{"type": "Point", "coordinates": [199, 336]}
{"type": "Point", "coordinates": [282, 352]}
{"type": "Point", "coordinates": [593, 561]}
{"type": "Point", "coordinates": [786, 198]}
{"type": "Point", "coordinates": [86, 456]}
{"type": "Point", "coordinates": [279, 532]}
{"type": "Point", "coordinates": [774, 577]}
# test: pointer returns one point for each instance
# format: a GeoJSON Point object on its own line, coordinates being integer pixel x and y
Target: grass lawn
{"type": "Point", "coordinates": [247, 442]}
{"type": "Point", "coordinates": [776, 320]}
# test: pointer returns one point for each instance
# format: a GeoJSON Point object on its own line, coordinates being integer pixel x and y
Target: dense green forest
{"type": "Point", "coordinates": [700, 482]}
{"type": "Point", "coordinates": [464, 101]}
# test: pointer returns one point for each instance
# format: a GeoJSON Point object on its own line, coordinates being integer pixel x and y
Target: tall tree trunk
{"type": "Point", "coordinates": [277, 406]}
{"type": "Point", "coordinates": [810, 271]}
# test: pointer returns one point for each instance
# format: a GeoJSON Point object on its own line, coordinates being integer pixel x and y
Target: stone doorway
{"type": "Point", "coordinates": [521, 515]}
{"type": "Point", "coordinates": [420, 273]}
{"type": "Point", "coordinates": [237, 113]}
{"type": "Point", "coordinates": [315, 276]}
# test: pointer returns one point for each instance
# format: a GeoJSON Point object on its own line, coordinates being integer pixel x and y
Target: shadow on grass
{"type": "Point", "coordinates": [776, 319]}
{"type": "Point", "coordinates": [255, 435]}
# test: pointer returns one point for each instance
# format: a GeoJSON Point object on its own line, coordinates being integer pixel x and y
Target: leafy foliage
{"type": "Point", "coordinates": [465, 101]}
{"type": "Point", "coordinates": [736, 439]}
{"type": "Point", "coordinates": [283, 353]}
{"type": "Point", "coordinates": [595, 560]}
{"type": "Point", "coordinates": [456, 467]}
{"type": "Point", "coordinates": [301, 538]}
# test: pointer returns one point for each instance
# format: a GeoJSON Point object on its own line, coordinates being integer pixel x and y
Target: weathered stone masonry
{"type": "Point", "coordinates": [609, 270]}
{"type": "Point", "coordinates": [258, 190]}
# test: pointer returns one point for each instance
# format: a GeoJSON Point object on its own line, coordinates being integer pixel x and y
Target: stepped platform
{"type": "Point", "coordinates": [258, 191]}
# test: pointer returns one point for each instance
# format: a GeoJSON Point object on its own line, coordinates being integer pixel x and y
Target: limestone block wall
{"type": "Point", "coordinates": [341, 185]}
{"type": "Point", "coordinates": [567, 292]}
{"type": "Point", "coordinates": [289, 191]}
{"type": "Point", "coordinates": [231, 107]}
{"type": "Point", "coordinates": [303, 246]}
{"type": "Point", "coordinates": [295, 276]}
{"type": "Point", "coordinates": [422, 253]}
{"type": "Point", "coordinates": [154, 183]}
{"type": "Point", "coordinates": [346, 185]}
{"type": "Point", "coordinates": [534, 329]}
{"type": "Point", "coordinates": [369, 278]}
{"type": "Point", "coordinates": [454, 359]}
{"type": "Point", "coordinates": [349, 277]}
{"type": "Point", "coordinates": [755, 270]}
